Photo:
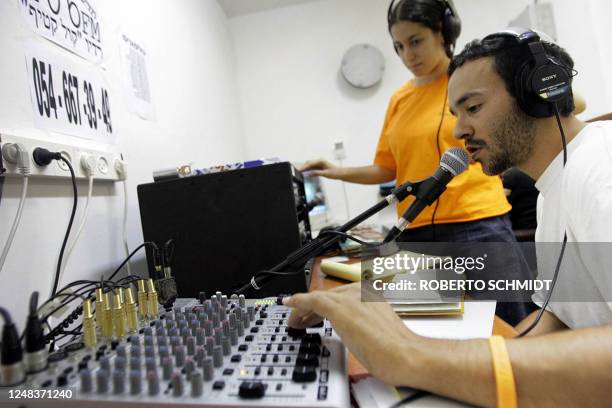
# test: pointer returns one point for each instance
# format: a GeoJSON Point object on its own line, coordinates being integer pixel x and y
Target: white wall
{"type": "Point", "coordinates": [191, 74]}
{"type": "Point", "coordinates": [296, 104]}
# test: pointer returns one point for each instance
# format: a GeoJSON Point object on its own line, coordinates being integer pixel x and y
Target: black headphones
{"type": "Point", "coordinates": [540, 81]}
{"type": "Point", "coordinates": [451, 24]}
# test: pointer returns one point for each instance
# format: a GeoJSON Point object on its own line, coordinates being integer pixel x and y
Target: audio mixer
{"type": "Point", "coordinates": [210, 351]}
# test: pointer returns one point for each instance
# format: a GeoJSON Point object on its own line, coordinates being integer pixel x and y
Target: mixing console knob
{"type": "Point", "coordinates": [234, 336]}
{"type": "Point", "coordinates": [208, 369]}
{"type": "Point", "coordinates": [215, 319]}
{"type": "Point", "coordinates": [102, 381]}
{"type": "Point", "coordinates": [162, 341]}
{"type": "Point", "coordinates": [200, 336]}
{"type": "Point", "coordinates": [218, 336]}
{"type": "Point", "coordinates": [293, 332]}
{"type": "Point", "coordinates": [226, 328]}
{"type": "Point", "coordinates": [135, 350]}
{"type": "Point", "coordinates": [222, 314]}
{"type": "Point", "coordinates": [105, 363]}
{"type": "Point", "coordinates": [121, 352]}
{"type": "Point", "coordinates": [241, 301]}
{"type": "Point", "coordinates": [197, 385]}
{"type": "Point", "coordinates": [175, 341]}
{"type": "Point", "coordinates": [153, 383]}
{"type": "Point", "coordinates": [251, 313]}
{"type": "Point", "coordinates": [190, 345]}
{"type": "Point", "coordinates": [164, 352]}
{"type": "Point", "coordinates": [179, 355]}
{"type": "Point", "coordinates": [304, 374]}
{"type": "Point", "coordinates": [240, 327]}
{"type": "Point", "coordinates": [177, 384]}
{"type": "Point", "coordinates": [210, 343]}
{"type": "Point", "coordinates": [135, 382]}
{"type": "Point", "coordinates": [119, 363]}
{"type": "Point", "coordinates": [200, 354]}
{"type": "Point", "coordinates": [86, 380]}
{"type": "Point", "coordinates": [118, 381]}
{"type": "Point", "coordinates": [251, 389]}
{"type": "Point", "coordinates": [185, 332]}
{"type": "Point", "coordinates": [167, 368]}
{"type": "Point", "coordinates": [245, 320]}
{"type": "Point", "coordinates": [134, 340]}
{"type": "Point", "coordinates": [150, 364]}
{"type": "Point", "coordinates": [217, 356]}
{"type": "Point", "coordinates": [224, 301]}
{"type": "Point", "coordinates": [148, 331]}
{"type": "Point", "coordinates": [148, 341]}
{"type": "Point", "coordinates": [232, 320]}
{"type": "Point", "coordinates": [208, 328]}
{"type": "Point", "coordinates": [226, 346]}
{"type": "Point", "coordinates": [161, 332]}
{"type": "Point", "coordinates": [306, 359]}
{"type": "Point", "coordinates": [189, 367]}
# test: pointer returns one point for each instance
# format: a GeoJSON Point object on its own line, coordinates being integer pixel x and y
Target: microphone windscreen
{"type": "Point", "coordinates": [455, 160]}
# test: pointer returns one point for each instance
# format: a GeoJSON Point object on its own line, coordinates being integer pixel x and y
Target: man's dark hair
{"type": "Point", "coordinates": [509, 57]}
{"type": "Point", "coordinates": [426, 12]}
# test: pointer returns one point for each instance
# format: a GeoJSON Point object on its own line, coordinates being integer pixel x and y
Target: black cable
{"type": "Point", "coordinates": [33, 303]}
{"type": "Point", "coordinates": [351, 237]}
{"type": "Point", "coordinates": [549, 294]}
{"type": "Point", "coordinates": [558, 267]}
{"type": "Point", "coordinates": [155, 248]}
{"type": "Point", "coordinates": [6, 315]}
{"type": "Point", "coordinates": [433, 215]}
{"type": "Point", "coordinates": [74, 206]}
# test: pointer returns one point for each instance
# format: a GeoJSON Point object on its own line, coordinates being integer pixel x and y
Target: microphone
{"type": "Point", "coordinates": [454, 161]}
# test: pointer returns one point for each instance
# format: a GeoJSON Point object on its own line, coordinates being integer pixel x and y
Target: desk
{"type": "Point", "coordinates": [320, 281]}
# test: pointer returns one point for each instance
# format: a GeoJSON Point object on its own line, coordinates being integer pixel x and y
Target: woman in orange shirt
{"type": "Point", "coordinates": [418, 128]}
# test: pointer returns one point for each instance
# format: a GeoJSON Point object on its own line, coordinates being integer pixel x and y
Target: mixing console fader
{"type": "Point", "coordinates": [210, 352]}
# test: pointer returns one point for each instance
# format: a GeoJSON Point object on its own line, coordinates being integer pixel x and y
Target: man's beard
{"type": "Point", "coordinates": [512, 141]}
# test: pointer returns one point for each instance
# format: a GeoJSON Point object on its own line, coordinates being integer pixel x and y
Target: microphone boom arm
{"type": "Point", "coordinates": [317, 246]}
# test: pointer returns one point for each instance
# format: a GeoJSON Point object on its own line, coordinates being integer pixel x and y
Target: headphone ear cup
{"type": "Point", "coordinates": [451, 27]}
{"type": "Point", "coordinates": [528, 100]}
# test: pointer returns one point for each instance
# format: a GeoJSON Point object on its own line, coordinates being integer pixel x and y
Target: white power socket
{"type": "Point", "coordinates": [80, 159]}
{"type": "Point", "coordinates": [339, 152]}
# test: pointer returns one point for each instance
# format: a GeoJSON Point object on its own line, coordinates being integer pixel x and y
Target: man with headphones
{"type": "Point", "coordinates": [417, 129]}
{"type": "Point", "coordinates": [511, 94]}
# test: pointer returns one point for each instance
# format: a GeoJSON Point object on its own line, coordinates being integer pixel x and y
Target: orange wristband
{"type": "Point", "coordinates": [504, 378]}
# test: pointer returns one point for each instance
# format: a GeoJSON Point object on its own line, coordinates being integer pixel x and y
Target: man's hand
{"type": "Point", "coordinates": [371, 330]}
{"type": "Point", "coordinates": [322, 168]}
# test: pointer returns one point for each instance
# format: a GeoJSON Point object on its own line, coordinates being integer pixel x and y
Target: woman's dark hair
{"type": "Point", "coordinates": [509, 58]}
{"type": "Point", "coordinates": [429, 13]}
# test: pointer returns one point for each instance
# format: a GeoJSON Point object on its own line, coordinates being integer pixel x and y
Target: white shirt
{"type": "Point", "coordinates": [577, 200]}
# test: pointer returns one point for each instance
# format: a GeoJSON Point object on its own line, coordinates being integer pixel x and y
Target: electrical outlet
{"type": "Point", "coordinates": [103, 165]}
{"type": "Point", "coordinates": [80, 159]}
{"type": "Point", "coordinates": [339, 152]}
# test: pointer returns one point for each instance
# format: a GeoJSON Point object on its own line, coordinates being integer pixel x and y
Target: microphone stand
{"type": "Point", "coordinates": [317, 246]}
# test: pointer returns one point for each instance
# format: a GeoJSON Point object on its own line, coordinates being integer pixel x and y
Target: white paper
{"type": "Point", "coordinates": [136, 78]}
{"type": "Point", "coordinates": [68, 97]}
{"type": "Point", "coordinates": [73, 24]}
{"type": "Point", "coordinates": [475, 322]}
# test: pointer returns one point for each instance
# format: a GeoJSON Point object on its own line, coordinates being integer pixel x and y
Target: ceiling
{"type": "Point", "coordinates": [235, 8]}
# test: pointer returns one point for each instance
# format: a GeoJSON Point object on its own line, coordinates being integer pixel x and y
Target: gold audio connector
{"type": "Point", "coordinates": [122, 297]}
{"type": "Point", "coordinates": [89, 325]}
{"type": "Point", "coordinates": [142, 299]}
{"type": "Point", "coordinates": [107, 321]}
{"type": "Point", "coordinates": [131, 310]}
{"type": "Point", "coordinates": [152, 297]}
{"type": "Point", "coordinates": [100, 307]}
{"type": "Point", "coordinates": [118, 317]}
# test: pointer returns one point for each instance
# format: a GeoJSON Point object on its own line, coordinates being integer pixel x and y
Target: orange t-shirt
{"type": "Point", "coordinates": [407, 146]}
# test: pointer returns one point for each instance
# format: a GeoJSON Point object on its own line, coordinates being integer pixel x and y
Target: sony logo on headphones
{"type": "Point", "coordinates": [548, 78]}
